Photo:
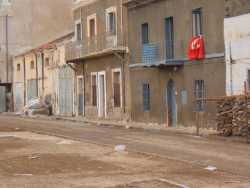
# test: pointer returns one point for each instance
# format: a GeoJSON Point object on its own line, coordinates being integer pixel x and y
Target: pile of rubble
{"type": "Point", "coordinates": [233, 116]}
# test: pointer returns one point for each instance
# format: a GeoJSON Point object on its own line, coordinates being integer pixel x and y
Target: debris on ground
{"type": "Point", "coordinates": [120, 148]}
{"type": "Point", "coordinates": [211, 168]}
{"type": "Point", "coordinates": [34, 157]}
{"type": "Point", "coordinates": [65, 142]}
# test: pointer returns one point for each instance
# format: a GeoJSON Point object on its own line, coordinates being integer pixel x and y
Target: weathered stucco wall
{"type": "Point", "coordinates": [211, 70]}
{"type": "Point", "coordinates": [181, 11]}
{"type": "Point", "coordinates": [237, 42]}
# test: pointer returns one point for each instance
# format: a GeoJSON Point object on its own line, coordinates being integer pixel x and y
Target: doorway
{"type": "Point", "coordinates": [171, 104]}
{"type": "Point", "coordinates": [102, 95]}
{"type": "Point", "coordinates": [80, 95]}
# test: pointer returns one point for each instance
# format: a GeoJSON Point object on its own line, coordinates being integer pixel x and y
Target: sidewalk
{"type": "Point", "coordinates": [154, 127]}
{"type": "Point", "coordinates": [149, 127]}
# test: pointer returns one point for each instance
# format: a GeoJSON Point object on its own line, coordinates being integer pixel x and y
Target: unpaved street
{"type": "Point", "coordinates": [48, 154]}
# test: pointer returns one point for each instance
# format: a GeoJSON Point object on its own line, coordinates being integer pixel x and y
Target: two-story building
{"type": "Point", "coordinates": [99, 57]}
{"type": "Point", "coordinates": [166, 86]}
{"type": "Point", "coordinates": [43, 73]}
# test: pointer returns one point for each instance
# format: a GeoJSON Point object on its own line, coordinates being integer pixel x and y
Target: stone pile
{"type": "Point", "coordinates": [233, 116]}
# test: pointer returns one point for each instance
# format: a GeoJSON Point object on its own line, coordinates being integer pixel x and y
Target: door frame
{"type": "Point", "coordinates": [99, 74]}
{"type": "Point", "coordinates": [77, 95]}
{"type": "Point", "coordinates": [173, 103]}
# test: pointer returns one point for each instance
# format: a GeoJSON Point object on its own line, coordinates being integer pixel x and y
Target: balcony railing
{"type": "Point", "coordinates": [158, 52]}
{"type": "Point", "coordinates": [95, 45]}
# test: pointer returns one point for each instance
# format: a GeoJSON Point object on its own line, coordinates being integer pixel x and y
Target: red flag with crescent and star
{"type": "Point", "coordinates": [196, 50]}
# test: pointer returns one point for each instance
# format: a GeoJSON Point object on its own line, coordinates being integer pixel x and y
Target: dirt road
{"type": "Point", "coordinates": [82, 155]}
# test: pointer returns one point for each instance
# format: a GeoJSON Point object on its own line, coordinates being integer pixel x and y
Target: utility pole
{"type": "Point", "coordinates": [7, 47]}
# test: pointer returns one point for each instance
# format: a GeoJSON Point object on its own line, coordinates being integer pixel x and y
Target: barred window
{"type": "Point", "coordinates": [199, 93]}
{"type": "Point", "coordinates": [197, 22]}
{"type": "Point", "coordinates": [146, 97]}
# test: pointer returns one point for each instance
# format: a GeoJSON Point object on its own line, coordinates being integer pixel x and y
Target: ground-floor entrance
{"type": "Point", "coordinates": [18, 96]}
{"type": "Point", "coordinates": [171, 104]}
{"type": "Point", "coordinates": [66, 90]}
{"type": "Point", "coordinates": [80, 95]}
{"type": "Point", "coordinates": [2, 99]}
{"type": "Point", "coordinates": [101, 102]}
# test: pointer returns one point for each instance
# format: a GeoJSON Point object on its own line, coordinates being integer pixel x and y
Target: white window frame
{"type": "Point", "coordinates": [99, 74]}
{"type": "Point", "coordinates": [108, 11]}
{"type": "Point", "coordinates": [91, 17]}
{"type": "Point", "coordinates": [113, 89]}
{"type": "Point", "coordinates": [79, 21]}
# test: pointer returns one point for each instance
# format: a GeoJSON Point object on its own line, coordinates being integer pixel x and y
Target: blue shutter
{"type": "Point", "coordinates": [145, 33]}
{"type": "Point", "coordinates": [169, 29]}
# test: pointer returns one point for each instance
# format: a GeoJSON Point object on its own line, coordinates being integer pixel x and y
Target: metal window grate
{"type": "Point", "coordinates": [199, 93]}
{"type": "Point", "coordinates": [197, 22]}
{"type": "Point", "coordinates": [146, 97]}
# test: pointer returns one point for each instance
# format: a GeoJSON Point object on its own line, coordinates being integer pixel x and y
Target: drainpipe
{"type": "Point", "coordinates": [24, 79]}
{"type": "Point", "coordinates": [43, 87]}
{"type": "Point", "coordinates": [37, 82]}
{"type": "Point", "coordinates": [83, 74]}
{"type": "Point", "coordinates": [122, 62]}
{"type": "Point", "coordinates": [7, 48]}
{"type": "Point", "coordinates": [231, 68]}
{"type": "Point", "coordinates": [74, 90]}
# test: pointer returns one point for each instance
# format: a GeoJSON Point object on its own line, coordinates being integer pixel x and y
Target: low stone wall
{"type": "Point", "coordinates": [233, 116]}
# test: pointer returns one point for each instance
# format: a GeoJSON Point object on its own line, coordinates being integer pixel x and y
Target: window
{"type": "Point", "coordinates": [145, 33]}
{"type": "Point", "coordinates": [169, 30]}
{"type": "Point", "coordinates": [197, 22]}
{"type": "Point", "coordinates": [46, 61]}
{"type": "Point", "coordinates": [117, 88]}
{"type": "Point", "coordinates": [18, 67]}
{"type": "Point", "coordinates": [94, 89]}
{"type": "Point", "coordinates": [111, 22]}
{"type": "Point", "coordinates": [146, 97]}
{"type": "Point", "coordinates": [32, 65]}
{"type": "Point", "coordinates": [92, 29]}
{"type": "Point", "coordinates": [199, 93]}
{"type": "Point", "coordinates": [78, 31]}
{"type": "Point", "coordinates": [91, 25]}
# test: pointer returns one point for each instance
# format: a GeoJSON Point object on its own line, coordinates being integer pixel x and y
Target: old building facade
{"type": "Point", "coordinates": [99, 57]}
{"type": "Point", "coordinates": [24, 25]}
{"type": "Point", "coordinates": [38, 73]}
{"type": "Point", "coordinates": [237, 41]}
{"type": "Point", "coordinates": [165, 85]}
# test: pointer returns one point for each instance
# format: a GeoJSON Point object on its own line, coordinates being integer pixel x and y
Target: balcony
{"type": "Point", "coordinates": [99, 45]}
{"type": "Point", "coordinates": [156, 54]}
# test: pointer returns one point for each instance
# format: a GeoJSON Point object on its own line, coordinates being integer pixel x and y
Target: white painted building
{"type": "Point", "coordinates": [237, 46]}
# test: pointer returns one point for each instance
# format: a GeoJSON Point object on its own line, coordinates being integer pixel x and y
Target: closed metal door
{"type": "Point", "coordinates": [18, 94]}
{"type": "Point", "coordinates": [171, 102]}
{"type": "Point", "coordinates": [32, 89]}
{"type": "Point", "coordinates": [80, 96]}
{"type": "Point", "coordinates": [66, 77]}
{"type": "Point", "coordinates": [2, 99]}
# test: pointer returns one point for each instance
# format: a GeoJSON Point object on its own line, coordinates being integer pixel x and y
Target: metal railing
{"type": "Point", "coordinates": [94, 45]}
{"type": "Point", "coordinates": [158, 52]}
